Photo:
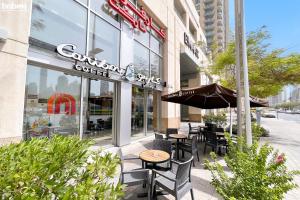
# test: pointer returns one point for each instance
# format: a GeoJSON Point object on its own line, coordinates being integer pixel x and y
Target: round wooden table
{"type": "Point", "coordinates": [178, 137]}
{"type": "Point", "coordinates": [154, 156]}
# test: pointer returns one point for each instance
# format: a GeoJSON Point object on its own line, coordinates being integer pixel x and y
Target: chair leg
{"type": "Point", "coordinates": [204, 148]}
{"type": "Point", "coordinates": [194, 162]}
{"type": "Point", "coordinates": [192, 194]}
{"type": "Point", "coordinates": [182, 153]}
{"type": "Point", "coordinates": [198, 156]}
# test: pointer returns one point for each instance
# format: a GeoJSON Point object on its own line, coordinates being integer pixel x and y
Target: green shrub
{"type": "Point", "coordinates": [254, 173]}
{"type": "Point", "coordinates": [259, 131]}
{"type": "Point", "coordinates": [219, 119]}
{"type": "Point", "coordinates": [57, 168]}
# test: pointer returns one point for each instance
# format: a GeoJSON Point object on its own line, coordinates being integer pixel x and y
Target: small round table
{"type": "Point", "coordinates": [154, 156]}
{"type": "Point", "coordinates": [178, 137]}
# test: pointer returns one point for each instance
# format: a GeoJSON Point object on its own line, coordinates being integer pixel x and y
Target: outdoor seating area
{"type": "Point", "coordinates": [167, 166]}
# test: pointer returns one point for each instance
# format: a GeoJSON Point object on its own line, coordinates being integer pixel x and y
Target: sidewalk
{"type": "Point", "coordinates": [285, 136]}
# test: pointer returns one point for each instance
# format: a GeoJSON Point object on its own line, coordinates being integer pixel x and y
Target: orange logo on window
{"type": "Point", "coordinates": [57, 99]}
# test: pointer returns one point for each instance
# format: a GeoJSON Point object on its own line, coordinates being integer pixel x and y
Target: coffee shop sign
{"type": "Point", "coordinates": [102, 68]}
{"type": "Point", "coordinates": [137, 17]}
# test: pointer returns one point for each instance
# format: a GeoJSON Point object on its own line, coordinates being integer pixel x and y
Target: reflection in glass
{"type": "Point", "coordinates": [104, 41]}
{"type": "Point", "coordinates": [102, 8]}
{"type": "Point", "coordinates": [142, 37]}
{"type": "Point", "coordinates": [100, 112]}
{"type": "Point", "coordinates": [156, 45]}
{"type": "Point", "coordinates": [51, 104]}
{"type": "Point", "coordinates": [141, 59]}
{"type": "Point", "coordinates": [54, 24]}
{"type": "Point", "coordinates": [156, 65]}
{"type": "Point", "coordinates": [152, 111]}
{"type": "Point", "coordinates": [137, 115]}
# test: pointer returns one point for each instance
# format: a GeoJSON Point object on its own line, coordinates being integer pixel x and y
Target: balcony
{"type": "Point", "coordinates": [220, 16]}
{"type": "Point", "coordinates": [209, 28]}
{"type": "Point", "coordinates": [210, 20]}
{"type": "Point", "coordinates": [209, 7]}
{"type": "Point", "coordinates": [209, 34]}
{"type": "Point", "coordinates": [208, 1]}
{"type": "Point", "coordinates": [209, 14]}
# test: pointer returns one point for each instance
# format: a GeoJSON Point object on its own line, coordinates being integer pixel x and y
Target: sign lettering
{"type": "Point", "coordinates": [102, 68]}
{"type": "Point", "coordinates": [192, 47]}
{"type": "Point", "coordinates": [137, 18]}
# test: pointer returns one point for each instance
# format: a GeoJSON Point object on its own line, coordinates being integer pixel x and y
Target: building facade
{"type": "Point", "coordinates": [214, 20]}
{"type": "Point", "coordinates": [96, 68]}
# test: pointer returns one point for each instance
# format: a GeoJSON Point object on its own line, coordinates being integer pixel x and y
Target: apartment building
{"type": "Point", "coordinates": [214, 20]}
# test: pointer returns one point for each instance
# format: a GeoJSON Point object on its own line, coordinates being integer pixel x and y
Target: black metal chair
{"type": "Point", "coordinates": [213, 141]}
{"type": "Point", "coordinates": [158, 136]}
{"type": "Point", "coordinates": [137, 176]}
{"type": "Point", "coordinates": [191, 148]}
{"type": "Point", "coordinates": [163, 145]}
{"type": "Point", "coordinates": [194, 131]}
{"type": "Point", "coordinates": [170, 131]}
{"type": "Point", "coordinates": [176, 181]}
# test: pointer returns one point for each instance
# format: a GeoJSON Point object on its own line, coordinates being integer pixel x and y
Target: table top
{"type": "Point", "coordinates": [178, 136]}
{"type": "Point", "coordinates": [154, 156]}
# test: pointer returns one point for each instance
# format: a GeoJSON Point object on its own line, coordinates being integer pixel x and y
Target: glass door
{"type": "Point", "coordinates": [100, 112]}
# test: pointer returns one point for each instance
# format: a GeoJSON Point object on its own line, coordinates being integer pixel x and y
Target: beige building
{"type": "Point", "coordinates": [214, 20]}
{"type": "Point", "coordinates": [96, 69]}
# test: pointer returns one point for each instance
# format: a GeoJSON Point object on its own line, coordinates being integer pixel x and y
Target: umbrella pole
{"type": "Point", "coordinates": [230, 121]}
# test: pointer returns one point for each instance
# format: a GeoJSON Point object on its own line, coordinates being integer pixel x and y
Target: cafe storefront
{"type": "Point", "coordinates": [90, 73]}
{"type": "Point", "coordinates": [97, 68]}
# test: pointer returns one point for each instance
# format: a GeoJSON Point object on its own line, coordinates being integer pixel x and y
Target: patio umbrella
{"type": "Point", "coordinates": [211, 96]}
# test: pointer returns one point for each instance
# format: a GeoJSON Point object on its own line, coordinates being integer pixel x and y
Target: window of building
{"type": "Point", "coordinates": [52, 23]}
{"type": "Point", "coordinates": [100, 112]}
{"type": "Point", "coordinates": [52, 103]}
{"type": "Point", "coordinates": [156, 45]}
{"type": "Point", "coordinates": [104, 40]}
{"type": "Point", "coordinates": [137, 113]}
{"type": "Point", "coordinates": [155, 65]}
{"type": "Point", "coordinates": [102, 8]}
{"type": "Point", "coordinates": [141, 59]}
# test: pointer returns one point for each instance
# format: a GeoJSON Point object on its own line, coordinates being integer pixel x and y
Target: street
{"type": "Point", "coordinates": [285, 136]}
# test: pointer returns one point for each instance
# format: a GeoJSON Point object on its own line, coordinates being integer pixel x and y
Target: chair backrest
{"type": "Point", "coordinates": [211, 137]}
{"type": "Point", "coordinates": [194, 143]}
{"type": "Point", "coordinates": [163, 145]}
{"type": "Point", "coordinates": [159, 136]}
{"type": "Point", "coordinates": [171, 131]}
{"type": "Point", "coordinates": [190, 126]}
{"type": "Point", "coordinates": [183, 173]}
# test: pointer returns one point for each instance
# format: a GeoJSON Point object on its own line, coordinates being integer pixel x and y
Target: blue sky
{"type": "Point", "coordinates": [282, 18]}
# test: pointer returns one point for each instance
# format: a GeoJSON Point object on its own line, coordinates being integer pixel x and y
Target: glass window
{"type": "Point", "coordinates": [103, 9]}
{"type": "Point", "coordinates": [83, 1]}
{"type": "Point", "coordinates": [141, 59]}
{"type": "Point", "coordinates": [137, 115]}
{"type": "Point", "coordinates": [52, 103]}
{"type": "Point", "coordinates": [54, 24]}
{"type": "Point", "coordinates": [104, 40]}
{"type": "Point", "coordinates": [156, 45]}
{"type": "Point", "coordinates": [155, 64]}
{"type": "Point", "coordinates": [100, 112]}
{"type": "Point", "coordinates": [142, 37]}
{"type": "Point", "coordinates": [152, 111]}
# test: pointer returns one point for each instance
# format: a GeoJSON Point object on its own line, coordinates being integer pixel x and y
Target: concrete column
{"type": "Point", "coordinates": [15, 20]}
{"type": "Point", "coordinates": [123, 126]}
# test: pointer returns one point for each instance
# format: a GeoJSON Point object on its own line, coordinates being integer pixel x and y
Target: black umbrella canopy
{"type": "Point", "coordinates": [209, 97]}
